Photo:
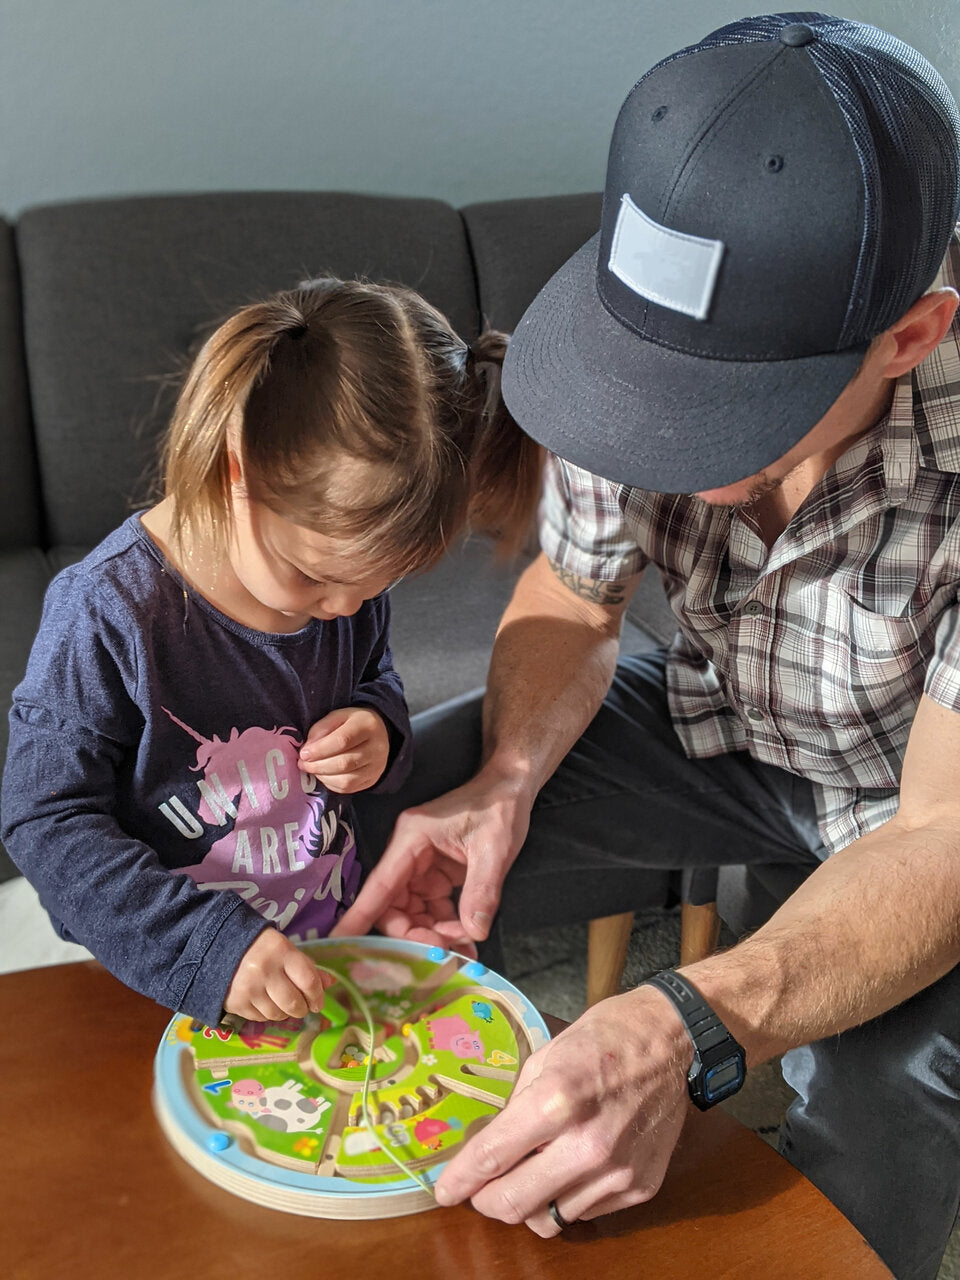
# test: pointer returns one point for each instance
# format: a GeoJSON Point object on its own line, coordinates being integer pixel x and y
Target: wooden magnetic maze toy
{"type": "Point", "coordinates": [278, 1112]}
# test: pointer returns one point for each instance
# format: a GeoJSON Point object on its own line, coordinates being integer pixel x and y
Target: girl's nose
{"type": "Point", "coordinates": [342, 601]}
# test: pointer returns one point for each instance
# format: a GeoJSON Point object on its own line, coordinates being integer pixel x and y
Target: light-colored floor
{"type": "Point", "coordinates": [549, 966]}
{"type": "Point", "coordinates": [27, 939]}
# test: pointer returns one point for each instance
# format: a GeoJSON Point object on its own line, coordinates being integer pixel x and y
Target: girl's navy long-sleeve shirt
{"type": "Point", "coordinates": [151, 792]}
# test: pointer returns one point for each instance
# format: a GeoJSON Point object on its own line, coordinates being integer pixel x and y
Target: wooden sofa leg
{"type": "Point", "coordinates": [606, 954]}
{"type": "Point", "coordinates": [699, 931]}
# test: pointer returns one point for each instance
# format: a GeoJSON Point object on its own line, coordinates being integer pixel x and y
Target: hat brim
{"type": "Point", "coordinates": [627, 409]}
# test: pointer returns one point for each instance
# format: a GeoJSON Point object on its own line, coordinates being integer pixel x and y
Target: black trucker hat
{"type": "Point", "coordinates": [776, 196]}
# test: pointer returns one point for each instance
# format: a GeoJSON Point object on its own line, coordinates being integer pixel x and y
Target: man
{"type": "Point", "coordinates": [751, 381]}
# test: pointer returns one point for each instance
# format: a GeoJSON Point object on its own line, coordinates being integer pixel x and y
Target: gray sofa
{"type": "Point", "coordinates": [102, 303]}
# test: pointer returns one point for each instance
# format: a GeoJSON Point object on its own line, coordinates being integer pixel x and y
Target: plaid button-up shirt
{"type": "Point", "coordinates": [811, 655]}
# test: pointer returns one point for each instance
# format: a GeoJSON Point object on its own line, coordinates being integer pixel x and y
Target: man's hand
{"type": "Point", "coordinates": [553, 660]}
{"type": "Point", "coordinates": [347, 750]}
{"type": "Point", "coordinates": [275, 980]}
{"type": "Point", "coordinates": [468, 837]}
{"type": "Point", "coordinates": [592, 1123]}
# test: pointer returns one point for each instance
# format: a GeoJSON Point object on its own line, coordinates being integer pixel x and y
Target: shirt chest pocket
{"type": "Point", "coordinates": [880, 655]}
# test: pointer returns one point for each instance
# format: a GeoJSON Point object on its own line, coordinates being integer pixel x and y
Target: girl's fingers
{"type": "Point", "coordinates": [277, 995]}
{"type": "Point", "coordinates": [246, 1009]}
{"type": "Point", "coordinates": [348, 730]}
{"type": "Point", "coordinates": [309, 981]}
{"type": "Point", "coordinates": [342, 761]}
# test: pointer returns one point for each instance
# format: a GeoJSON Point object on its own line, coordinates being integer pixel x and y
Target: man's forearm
{"type": "Point", "coordinates": [552, 664]}
{"type": "Point", "coordinates": [872, 926]}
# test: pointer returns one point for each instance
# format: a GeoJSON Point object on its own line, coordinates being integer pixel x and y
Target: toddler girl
{"type": "Point", "coordinates": [210, 683]}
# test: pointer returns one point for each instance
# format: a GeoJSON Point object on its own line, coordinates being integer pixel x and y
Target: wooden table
{"type": "Point", "coordinates": [90, 1189]}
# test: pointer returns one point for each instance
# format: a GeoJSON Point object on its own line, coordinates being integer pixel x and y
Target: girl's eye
{"type": "Point", "coordinates": [305, 577]}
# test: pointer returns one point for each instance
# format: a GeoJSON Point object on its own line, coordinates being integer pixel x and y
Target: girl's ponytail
{"type": "Point", "coordinates": [505, 463]}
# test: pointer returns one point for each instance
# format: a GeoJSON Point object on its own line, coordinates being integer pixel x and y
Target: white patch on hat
{"type": "Point", "coordinates": [676, 270]}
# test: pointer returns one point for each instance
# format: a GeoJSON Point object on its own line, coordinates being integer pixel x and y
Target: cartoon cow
{"type": "Point", "coordinates": [283, 1107]}
{"type": "Point", "coordinates": [245, 1096]}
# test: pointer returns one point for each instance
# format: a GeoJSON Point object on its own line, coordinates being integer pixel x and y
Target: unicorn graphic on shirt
{"type": "Point", "coordinates": [286, 847]}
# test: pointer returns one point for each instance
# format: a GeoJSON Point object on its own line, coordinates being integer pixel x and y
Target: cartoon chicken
{"type": "Point", "coordinates": [429, 1133]}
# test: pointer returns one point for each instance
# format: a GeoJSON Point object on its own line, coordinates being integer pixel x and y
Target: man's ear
{"type": "Point", "coordinates": [918, 331]}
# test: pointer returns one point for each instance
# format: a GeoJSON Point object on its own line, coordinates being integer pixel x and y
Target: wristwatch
{"type": "Point", "coordinates": [719, 1065]}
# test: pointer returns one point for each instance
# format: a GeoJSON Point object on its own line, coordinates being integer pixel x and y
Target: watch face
{"type": "Point", "coordinates": [723, 1079]}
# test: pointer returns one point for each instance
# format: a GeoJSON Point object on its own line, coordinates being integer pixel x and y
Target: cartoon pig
{"type": "Point", "coordinates": [454, 1034]}
{"type": "Point", "coordinates": [387, 976]}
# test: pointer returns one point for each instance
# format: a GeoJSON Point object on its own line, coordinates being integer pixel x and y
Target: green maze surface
{"type": "Point", "coordinates": [446, 1057]}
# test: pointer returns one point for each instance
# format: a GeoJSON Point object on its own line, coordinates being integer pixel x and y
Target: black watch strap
{"type": "Point", "coordinates": [719, 1063]}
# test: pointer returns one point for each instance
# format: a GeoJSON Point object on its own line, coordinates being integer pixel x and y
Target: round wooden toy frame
{"type": "Point", "coordinates": [225, 1149]}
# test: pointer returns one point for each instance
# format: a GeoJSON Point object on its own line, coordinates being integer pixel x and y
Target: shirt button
{"type": "Point", "coordinates": [753, 608]}
{"type": "Point", "coordinates": [755, 714]}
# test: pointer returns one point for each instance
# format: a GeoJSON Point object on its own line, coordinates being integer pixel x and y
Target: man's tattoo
{"type": "Point", "coordinates": [590, 588]}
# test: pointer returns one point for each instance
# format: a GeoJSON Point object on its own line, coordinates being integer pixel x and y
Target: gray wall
{"type": "Point", "coordinates": [465, 101]}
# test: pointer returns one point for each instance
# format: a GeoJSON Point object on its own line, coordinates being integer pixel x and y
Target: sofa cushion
{"type": "Point", "coordinates": [19, 488]}
{"type": "Point", "coordinates": [23, 580]}
{"type": "Point", "coordinates": [517, 245]}
{"type": "Point", "coordinates": [118, 294]}
{"type": "Point", "coordinates": [444, 622]}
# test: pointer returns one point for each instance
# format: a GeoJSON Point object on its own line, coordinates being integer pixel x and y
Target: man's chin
{"type": "Point", "coordinates": [734, 496]}
{"type": "Point", "coordinates": [743, 494]}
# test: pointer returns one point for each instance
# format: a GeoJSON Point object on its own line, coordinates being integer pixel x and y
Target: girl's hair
{"type": "Point", "coordinates": [343, 371]}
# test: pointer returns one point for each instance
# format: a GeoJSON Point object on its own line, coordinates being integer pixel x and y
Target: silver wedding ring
{"type": "Point", "coordinates": [557, 1216]}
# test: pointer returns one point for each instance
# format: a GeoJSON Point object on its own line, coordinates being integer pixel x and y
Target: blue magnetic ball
{"type": "Point", "coordinates": [474, 969]}
{"type": "Point", "coordinates": [218, 1142]}
{"type": "Point", "coordinates": [436, 954]}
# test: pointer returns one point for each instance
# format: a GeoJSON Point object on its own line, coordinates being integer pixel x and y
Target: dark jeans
{"type": "Point", "coordinates": [876, 1124]}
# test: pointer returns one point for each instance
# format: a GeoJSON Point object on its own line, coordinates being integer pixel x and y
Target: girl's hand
{"type": "Point", "coordinates": [274, 981]}
{"type": "Point", "coordinates": [347, 750]}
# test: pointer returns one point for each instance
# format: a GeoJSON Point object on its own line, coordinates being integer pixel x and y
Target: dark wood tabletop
{"type": "Point", "coordinates": [91, 1190]}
